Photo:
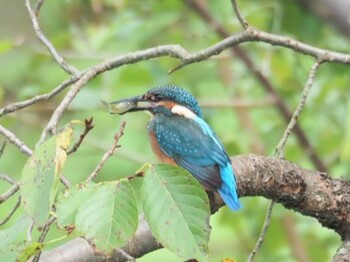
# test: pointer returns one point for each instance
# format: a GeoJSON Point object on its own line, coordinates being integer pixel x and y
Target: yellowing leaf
{"type": "Point", "coordinates": [40, 176]}
{"type": "Point", "coordinates": [31, 250]}
{"type": "Point", "coordinates": [62, 143]}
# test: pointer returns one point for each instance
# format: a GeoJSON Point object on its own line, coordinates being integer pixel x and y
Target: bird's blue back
{"type": "Point", "coordinates": [194, 146]}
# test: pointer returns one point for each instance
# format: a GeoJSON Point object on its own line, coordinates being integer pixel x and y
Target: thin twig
{"type": "Point", "coordinates": [265, 83]}
{"type": "Point", "coordinates": [88, 127]}
{"type": "Point", "coordinates": [2, 149]}
{"type": "Point", "coordinates": [279, 149]}
{"type": "Point", "coordinates": [8, 179]}
{"type": "Point", "coordinates": [30, 230]}
{"type": "Point", "coordinates": [19, 105]}
{"type": "Point", "coordinates": [65, 181]}
{"type": "Point", "coordinates": [38, 6]}
{"type": "Point", "coordinates": [7, 218]}
{"type": "Point", "coordinates": [11, 191]}
{"type": "Point", "coordinates": [34, 18]}
{"type": "Point", "coordinates": [240, 18]}
{"type": "Point", "coordinates": [299, 109]}
{"type": "Point", "coordinates": [263, 231]}
{"type": "Point", "coordinates": [43, 236]}
{"type": "Point", "coordinates": [176, 51]}
{"type": "Point", "coordinates": [108, 154]}
{"type": "Point", "coordinates": [138, 174]}
{"type": "Point", "coordinates": [13, 139]}
{"type": "Point", "coordinates": [126, 255]}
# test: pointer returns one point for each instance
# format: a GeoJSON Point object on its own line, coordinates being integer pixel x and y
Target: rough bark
{"type": "Point", "coordinates": [310, 193]}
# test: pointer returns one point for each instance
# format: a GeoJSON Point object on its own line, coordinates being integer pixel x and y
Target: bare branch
{"type": "Point", "coordinates": [88, 127]}
{"type": "Point", "coordinates": [240, 18]}
{"type": "Point", "coordinates": [38, 6]}
{"type": "Point", "coordinates": [13, 139]}
{"type": "Point", "coordinates": [279, 150]}
{"type": "Point", "coordinates": [33, 16]}
{"type": "Point", "coordinates": [2, 148]}
{"type": "Point", "coordinates": [264, 229]}
{"type": "Point", "coordinates": [43, 236]}
{"type": "Point", "coordinates": [176, 51]}
{"type": "Point", "coordinates": [8, 179]}
{"type": "Point", "coordinates": [108, 154]}
{"type": "Point", "coordinates": [265, 83]}
{"type": "Point", "coordinates": [65, 181]}
{"type": "Point", "coordinates": [11, 191]}
{"type": "Point", "coordinates": [7, 218]}
{"type": "Point", "coordinates": [299, 109]}
{"type": "Point", "coordinates": [19, 105]}
{"type": "Point", "coordinates": [126, 255]}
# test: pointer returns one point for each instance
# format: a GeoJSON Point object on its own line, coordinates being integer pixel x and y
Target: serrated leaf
{"type": "Point", "coordinates": [109, 217]}
{"type": "Point", "coordinates": [69, 201]}
{"type": "Point", "coordinates": [13, 239]}
{"type": "Point", "coordinates": [40, 176]}
{"type": "Point", "coordinates": [177, 210]}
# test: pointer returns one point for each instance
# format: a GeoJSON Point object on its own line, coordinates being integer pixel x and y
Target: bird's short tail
{"type": "Point", "coordinates": [228, 189]}
{"type": "Point", "coordinates": [230, 198]}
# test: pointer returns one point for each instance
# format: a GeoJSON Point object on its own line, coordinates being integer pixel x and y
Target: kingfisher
{"type": "Point", "coordinates": [179, 136]}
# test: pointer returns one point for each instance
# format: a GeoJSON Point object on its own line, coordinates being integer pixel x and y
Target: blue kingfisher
{"type": "Point", "coordinates": [179, 136]}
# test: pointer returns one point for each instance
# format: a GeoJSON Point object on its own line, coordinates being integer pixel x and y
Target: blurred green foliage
{"type": "Point", "coordinates": [86, 32]}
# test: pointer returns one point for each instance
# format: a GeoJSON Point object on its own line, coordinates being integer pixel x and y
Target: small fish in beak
{"type": "Point", "coordinates": [120, 107]}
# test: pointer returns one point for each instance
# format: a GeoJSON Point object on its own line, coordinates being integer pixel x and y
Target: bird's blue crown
{"type": "Point", "coordinates": [177, 95]}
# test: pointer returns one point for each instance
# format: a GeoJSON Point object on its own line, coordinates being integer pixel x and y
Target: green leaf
{"type": "Point", "coordinates": [40, 176]}
{"type": "Point", "coordinates": [69, 201]}
{"type": "Point", "coordinates": [104, 213]}
{"type": "Point", "coordinates": [13, 239]}
{"type": "Point", "coordinates": [31, 250]}
{"type": "Point", "coordinates": [177, 210]}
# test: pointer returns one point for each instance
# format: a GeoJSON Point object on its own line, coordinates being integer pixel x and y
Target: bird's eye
{"type": "Point", "coordinates": [156, 97]}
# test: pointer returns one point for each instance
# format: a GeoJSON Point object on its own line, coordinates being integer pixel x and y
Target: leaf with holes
{"type": "Point", "coordinates": [40, 176]}
{"type": "Point", "coordinates": [69, 202]}
{"type": "Point", "coordinates": [13, 239]}
{"type": "Point", "coordinates": [109, 216]}
{"type": "Point", "coordinates": [177, 210]}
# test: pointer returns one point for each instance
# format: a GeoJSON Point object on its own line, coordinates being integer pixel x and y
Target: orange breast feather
{"type": "Point", "coordinates": [158, 152]}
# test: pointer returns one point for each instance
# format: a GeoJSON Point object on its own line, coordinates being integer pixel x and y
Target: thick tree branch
{"type": "Point", "coordinates": [308, 192]}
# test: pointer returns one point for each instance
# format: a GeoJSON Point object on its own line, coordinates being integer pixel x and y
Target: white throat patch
{"type": "Point", "coordinates": [183, 111]}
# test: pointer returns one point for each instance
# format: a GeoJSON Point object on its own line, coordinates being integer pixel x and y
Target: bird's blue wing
{"type": "Point", "coordinates": [194, 146]}
{"type": "Point", "coordinates": [189, 144]}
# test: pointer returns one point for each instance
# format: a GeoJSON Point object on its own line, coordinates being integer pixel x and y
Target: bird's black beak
{"type": "Point", "coordinates": [127, 105]}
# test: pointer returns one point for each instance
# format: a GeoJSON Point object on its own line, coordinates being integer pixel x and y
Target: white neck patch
{"type": "Point", "coordinates": [183, 111]}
